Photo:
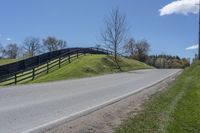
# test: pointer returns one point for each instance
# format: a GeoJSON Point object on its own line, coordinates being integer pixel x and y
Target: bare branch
{"type": "Point", "coordinates": [32, 46]}
{"type": "Point", "coordinates": [52, 44]}
{"type": "Point", "coordinates": [115, 30]}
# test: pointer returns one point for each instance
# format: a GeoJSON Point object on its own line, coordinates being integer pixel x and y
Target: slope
{"type": "Point", "coordinates": [91, 65]}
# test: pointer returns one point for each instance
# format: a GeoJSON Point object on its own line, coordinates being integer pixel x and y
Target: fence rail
{"type": "Point", "coordinates": [30, 68]}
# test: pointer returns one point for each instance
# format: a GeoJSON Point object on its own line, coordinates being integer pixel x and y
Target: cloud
{"type": "Point", "coordinates": [8, 39]}
{"type": "Point", "coordinates": [193, 47]}
{"type": "Point", "coordinates": [180, 7]}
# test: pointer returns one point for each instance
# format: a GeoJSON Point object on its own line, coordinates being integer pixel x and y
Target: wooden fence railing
{"type": "Point", "coordinates": [28, 69]}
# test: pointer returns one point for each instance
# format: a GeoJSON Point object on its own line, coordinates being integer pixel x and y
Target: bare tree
{"type": "Point", "coordinates": [32, 46]}
{"type": "Point", "coordinates": [141, 50]}
{"type": "Point", "coordinates": [130, 47]}
{"type": "Point", "coordinates": [61, 44]}
{"type": "Point", "coordinates": [143, 47]}
{"type": "Point", "coordinates": [114, 32]}
{"type": "Point", "coordinates": [12, 51]}
{"type": "Point", "coordinates": [52, 44]}
{"type": "Point", "coordinates": [21, 52]}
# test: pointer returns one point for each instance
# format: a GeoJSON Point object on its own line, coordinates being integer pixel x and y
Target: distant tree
{"type": "Point", "coordinates": [2, 51]}
{"type": "Point", "coordinates": [161, 63]}
{"type": "Point", "coordinates": [130, 47]}
{"type": "Point", "coordinates": [61, 44]}
{"type": "Point", "coordinates": [158, 63]}
{"type": "Point", "coordinates": [32, 46]}
{"type": "Point", "coordinates": [176, 63]}
{"type": "Point", "coordinates": [185, 62]}
{"type": "Point", "coordinates": [11, 51]}
{"type": "Point", "coordinates": [114, 33]}
{"type": "Point", "coordinates": [141, 50]}
{"type": "Point", "coordinates": [167, 61]}
{"type": "Point", "coordinates": [151, 60]}
{"type": "Point", "coordinates": [21, 52]}
{"type": "Point", "coordinates": [52, 44]}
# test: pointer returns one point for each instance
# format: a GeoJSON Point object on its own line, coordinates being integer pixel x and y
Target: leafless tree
{"type": "Point", "coordinates": [130, 47]}
{"type": "Point", "coordinates": [142, 47]}
{"type": "Point", "coordinates": [141, 50]}
{"type": "Point", "coordinates": [32, 46]}
{"type": "Point", "coordinates": [52, 44]}
{"type": "Point", "coordinates": [12, 51]}
{"type": "Point", "coordinates": [137, 49]}
{"type": "Point", "coordinates": [114, 33]}
{"type": "Point", "coordinates": [61, 44]}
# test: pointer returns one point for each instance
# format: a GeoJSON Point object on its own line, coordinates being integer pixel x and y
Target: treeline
{"type": "Point", "coordinates": [167, 61]}
{"type": "Point", "coordinates": [31, 46]}
{"type": "Point", "coordinates": [139, 50]}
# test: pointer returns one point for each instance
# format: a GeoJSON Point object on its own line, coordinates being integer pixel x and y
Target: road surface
{"type": "Point", "coordinates": [29, 107]}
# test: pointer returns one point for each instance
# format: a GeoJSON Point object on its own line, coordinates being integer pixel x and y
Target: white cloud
{"type": "Point", "coordinates": [193, 47]}
{"type": "Point", "coordinates": [8, 39]}
{"type": "Point", "coordinates": [180, 7]}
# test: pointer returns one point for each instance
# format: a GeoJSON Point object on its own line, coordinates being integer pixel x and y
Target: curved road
{"type": "Point", "coordinates": [28, 107]}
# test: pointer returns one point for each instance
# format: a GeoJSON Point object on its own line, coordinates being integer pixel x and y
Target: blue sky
{"type": "Point", "coordinates": [79, 22]}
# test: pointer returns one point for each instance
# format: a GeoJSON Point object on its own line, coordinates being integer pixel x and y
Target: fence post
{"type": "Point", "coordinates": [69, 59]}
{"type": "Point", "coordinates": [77, 55]}
{"type": "Point", "coordinates": [33, 74]}
{"type": "Point", "coordinates": [59, 63]}
{"type": "Point", "coordinates": [15, 79]}
{"type": "Point", "coordinates": [47, 67]}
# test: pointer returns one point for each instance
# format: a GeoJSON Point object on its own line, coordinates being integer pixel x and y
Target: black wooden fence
{"type": "Point", "coordinates": [30, 68]}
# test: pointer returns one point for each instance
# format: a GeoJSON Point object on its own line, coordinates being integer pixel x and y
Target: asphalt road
{"type": "Point", "coordinates": [28, 107]}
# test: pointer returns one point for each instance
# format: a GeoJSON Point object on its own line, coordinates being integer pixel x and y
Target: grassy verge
{"type": "Point", "coordinates": [176, 110]}
{"type": "Point", "coordinates": [90, 65]}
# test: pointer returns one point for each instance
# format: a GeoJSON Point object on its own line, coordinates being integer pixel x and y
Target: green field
{"type": "Point", "coordinates": [90, 65]}
{"type": "Point", "coordinates": [7, 61]}
{"type": "Point", "coordinates": [176, 110]}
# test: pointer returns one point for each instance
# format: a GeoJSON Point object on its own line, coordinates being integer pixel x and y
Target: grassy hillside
{"type": "Point", "coordinates": [90, 65]}
{"type": "Point", "coordinates": [7, 61]}
{"type": "Point", "coordinates": [176, 110]}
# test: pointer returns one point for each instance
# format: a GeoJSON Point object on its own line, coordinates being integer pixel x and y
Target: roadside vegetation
{"type": "Point", "coordinates": [139, 49]}
{"type": "Point", "coordinates": [175, 110]}
{"type": "Point", "coordinates": [91, 65]}
{"type": "Point", "coordinates": [167, 61]}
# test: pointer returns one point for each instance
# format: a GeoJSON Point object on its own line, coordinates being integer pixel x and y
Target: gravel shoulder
{"type": "Point", "coordinates": [106, 119]}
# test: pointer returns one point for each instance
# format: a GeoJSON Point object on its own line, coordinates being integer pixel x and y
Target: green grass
{"type": "Point", "coordinates": [176, 110]}
{"type": "Point", "coordinates": [7, 61]}
{"type": "Point", "coordinates": [90, 65]}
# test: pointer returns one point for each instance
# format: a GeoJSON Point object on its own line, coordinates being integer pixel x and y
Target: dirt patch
{"type": "Point", "coordinates": [108, 118]}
